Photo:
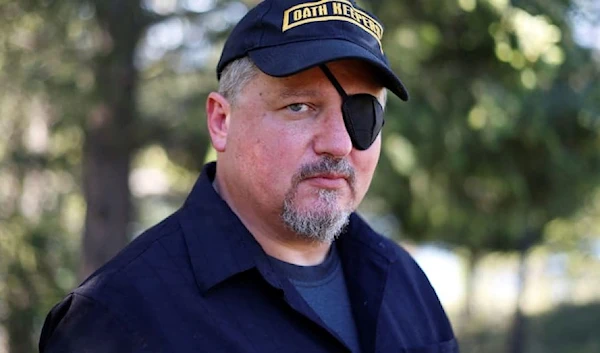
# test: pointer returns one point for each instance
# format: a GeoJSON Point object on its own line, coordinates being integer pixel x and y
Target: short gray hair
{"type": "Point", "coordinates": [239, 72]}
{"type": "Point", "coordinates": [235, 77]}
{"type": "Point", "coordinates": [383, 97]}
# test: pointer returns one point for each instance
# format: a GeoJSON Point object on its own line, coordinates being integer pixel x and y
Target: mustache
{"type": "Point", "coordinates": [327, 165]}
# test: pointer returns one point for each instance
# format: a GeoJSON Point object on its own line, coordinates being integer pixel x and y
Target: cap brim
{"type": "Point", "coordinates": [288, 59]}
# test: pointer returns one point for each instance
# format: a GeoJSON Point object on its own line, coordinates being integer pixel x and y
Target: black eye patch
{"type": "Point", "coordinates": [363, 115]}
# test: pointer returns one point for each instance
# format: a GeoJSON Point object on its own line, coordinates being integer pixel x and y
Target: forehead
{"type": "Point", "coordinates": [353, 75]}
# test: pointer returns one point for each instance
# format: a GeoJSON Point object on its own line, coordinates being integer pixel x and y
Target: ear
{"type": "Point", "coordinates": [217, 117]}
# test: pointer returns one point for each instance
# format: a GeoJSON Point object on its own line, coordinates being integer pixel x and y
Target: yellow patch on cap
{"type": "Point", "coordinates": [332, 10]}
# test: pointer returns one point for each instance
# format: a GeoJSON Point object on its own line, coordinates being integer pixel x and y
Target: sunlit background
{"type": "Point", "coordinates": [489, 175]}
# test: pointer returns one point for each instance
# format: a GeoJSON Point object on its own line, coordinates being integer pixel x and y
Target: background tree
{"type": "Point", "coordinates": [115, 129]}
{"type": "Point", "coordinates": [502, 134]}
{"type": "Point", "coordinates": [40, 217]}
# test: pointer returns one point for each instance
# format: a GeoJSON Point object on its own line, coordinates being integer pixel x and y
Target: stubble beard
{"type": "Point", "coordinates": [325, 220]}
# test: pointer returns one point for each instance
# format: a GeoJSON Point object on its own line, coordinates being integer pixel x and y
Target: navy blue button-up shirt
{"type": "Point", "coordinates": [199, 282]}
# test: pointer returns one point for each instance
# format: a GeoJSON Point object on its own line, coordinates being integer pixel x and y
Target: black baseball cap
{"type": "Point", "coordinates": [284, 37]}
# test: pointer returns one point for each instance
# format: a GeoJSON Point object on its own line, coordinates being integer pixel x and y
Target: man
{"type": "Point", "coordinates": [266, 254]}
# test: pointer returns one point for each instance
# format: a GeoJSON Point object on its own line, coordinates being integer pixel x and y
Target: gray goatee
{"type": "Point", "coordinates": [326, 220]}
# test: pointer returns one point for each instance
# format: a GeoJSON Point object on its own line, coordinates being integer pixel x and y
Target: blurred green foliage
{"type": "Point", "coordinates": [502, 133]}
{"type": "Point", "coordinates": [497, 150]}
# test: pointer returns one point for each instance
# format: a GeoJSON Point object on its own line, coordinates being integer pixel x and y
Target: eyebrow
{"type": "Point", "coordinates": [291, 92]}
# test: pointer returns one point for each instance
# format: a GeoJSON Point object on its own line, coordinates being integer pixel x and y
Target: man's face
{"type": "Point", "coordinates": [288, 155]}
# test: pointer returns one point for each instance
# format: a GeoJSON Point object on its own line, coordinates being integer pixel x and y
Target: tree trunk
{"type": "Point", "coordinates": [517, 335]}
{"type": "Point", "coordinates": [473, 260]}
{"type": "Point", "coordinates": [108, 146]}
{"type": "Point", "coordinates": [105, 179]}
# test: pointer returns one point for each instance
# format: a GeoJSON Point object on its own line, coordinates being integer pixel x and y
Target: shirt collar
{"type": "Point", "coordinates": [219, 245]}
{"type": "Point", "coordinates": [360, 240]}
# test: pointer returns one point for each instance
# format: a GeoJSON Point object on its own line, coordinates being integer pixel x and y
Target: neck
{"type": "Point", "coordinates": [299, 252]}
{"type": "Point", "coordinates": [275, 239]}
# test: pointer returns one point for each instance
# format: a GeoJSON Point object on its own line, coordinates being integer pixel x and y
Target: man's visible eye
{"type": "Point", "coordinates": [298, 107]}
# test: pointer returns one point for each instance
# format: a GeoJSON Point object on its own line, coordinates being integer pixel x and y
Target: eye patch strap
{"type": "Point", "coordinates": [346, 113]}
{"type": "Point", "coordinates": [334, 81]}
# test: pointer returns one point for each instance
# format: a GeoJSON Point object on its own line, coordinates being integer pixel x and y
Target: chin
{"type": "Point", "coordinates": [326, 201]}
{"type": "Point", "coordinates": [319, 221]}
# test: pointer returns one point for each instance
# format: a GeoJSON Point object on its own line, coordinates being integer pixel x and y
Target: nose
{"type": "Point", "coordinates": [332, 137]}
